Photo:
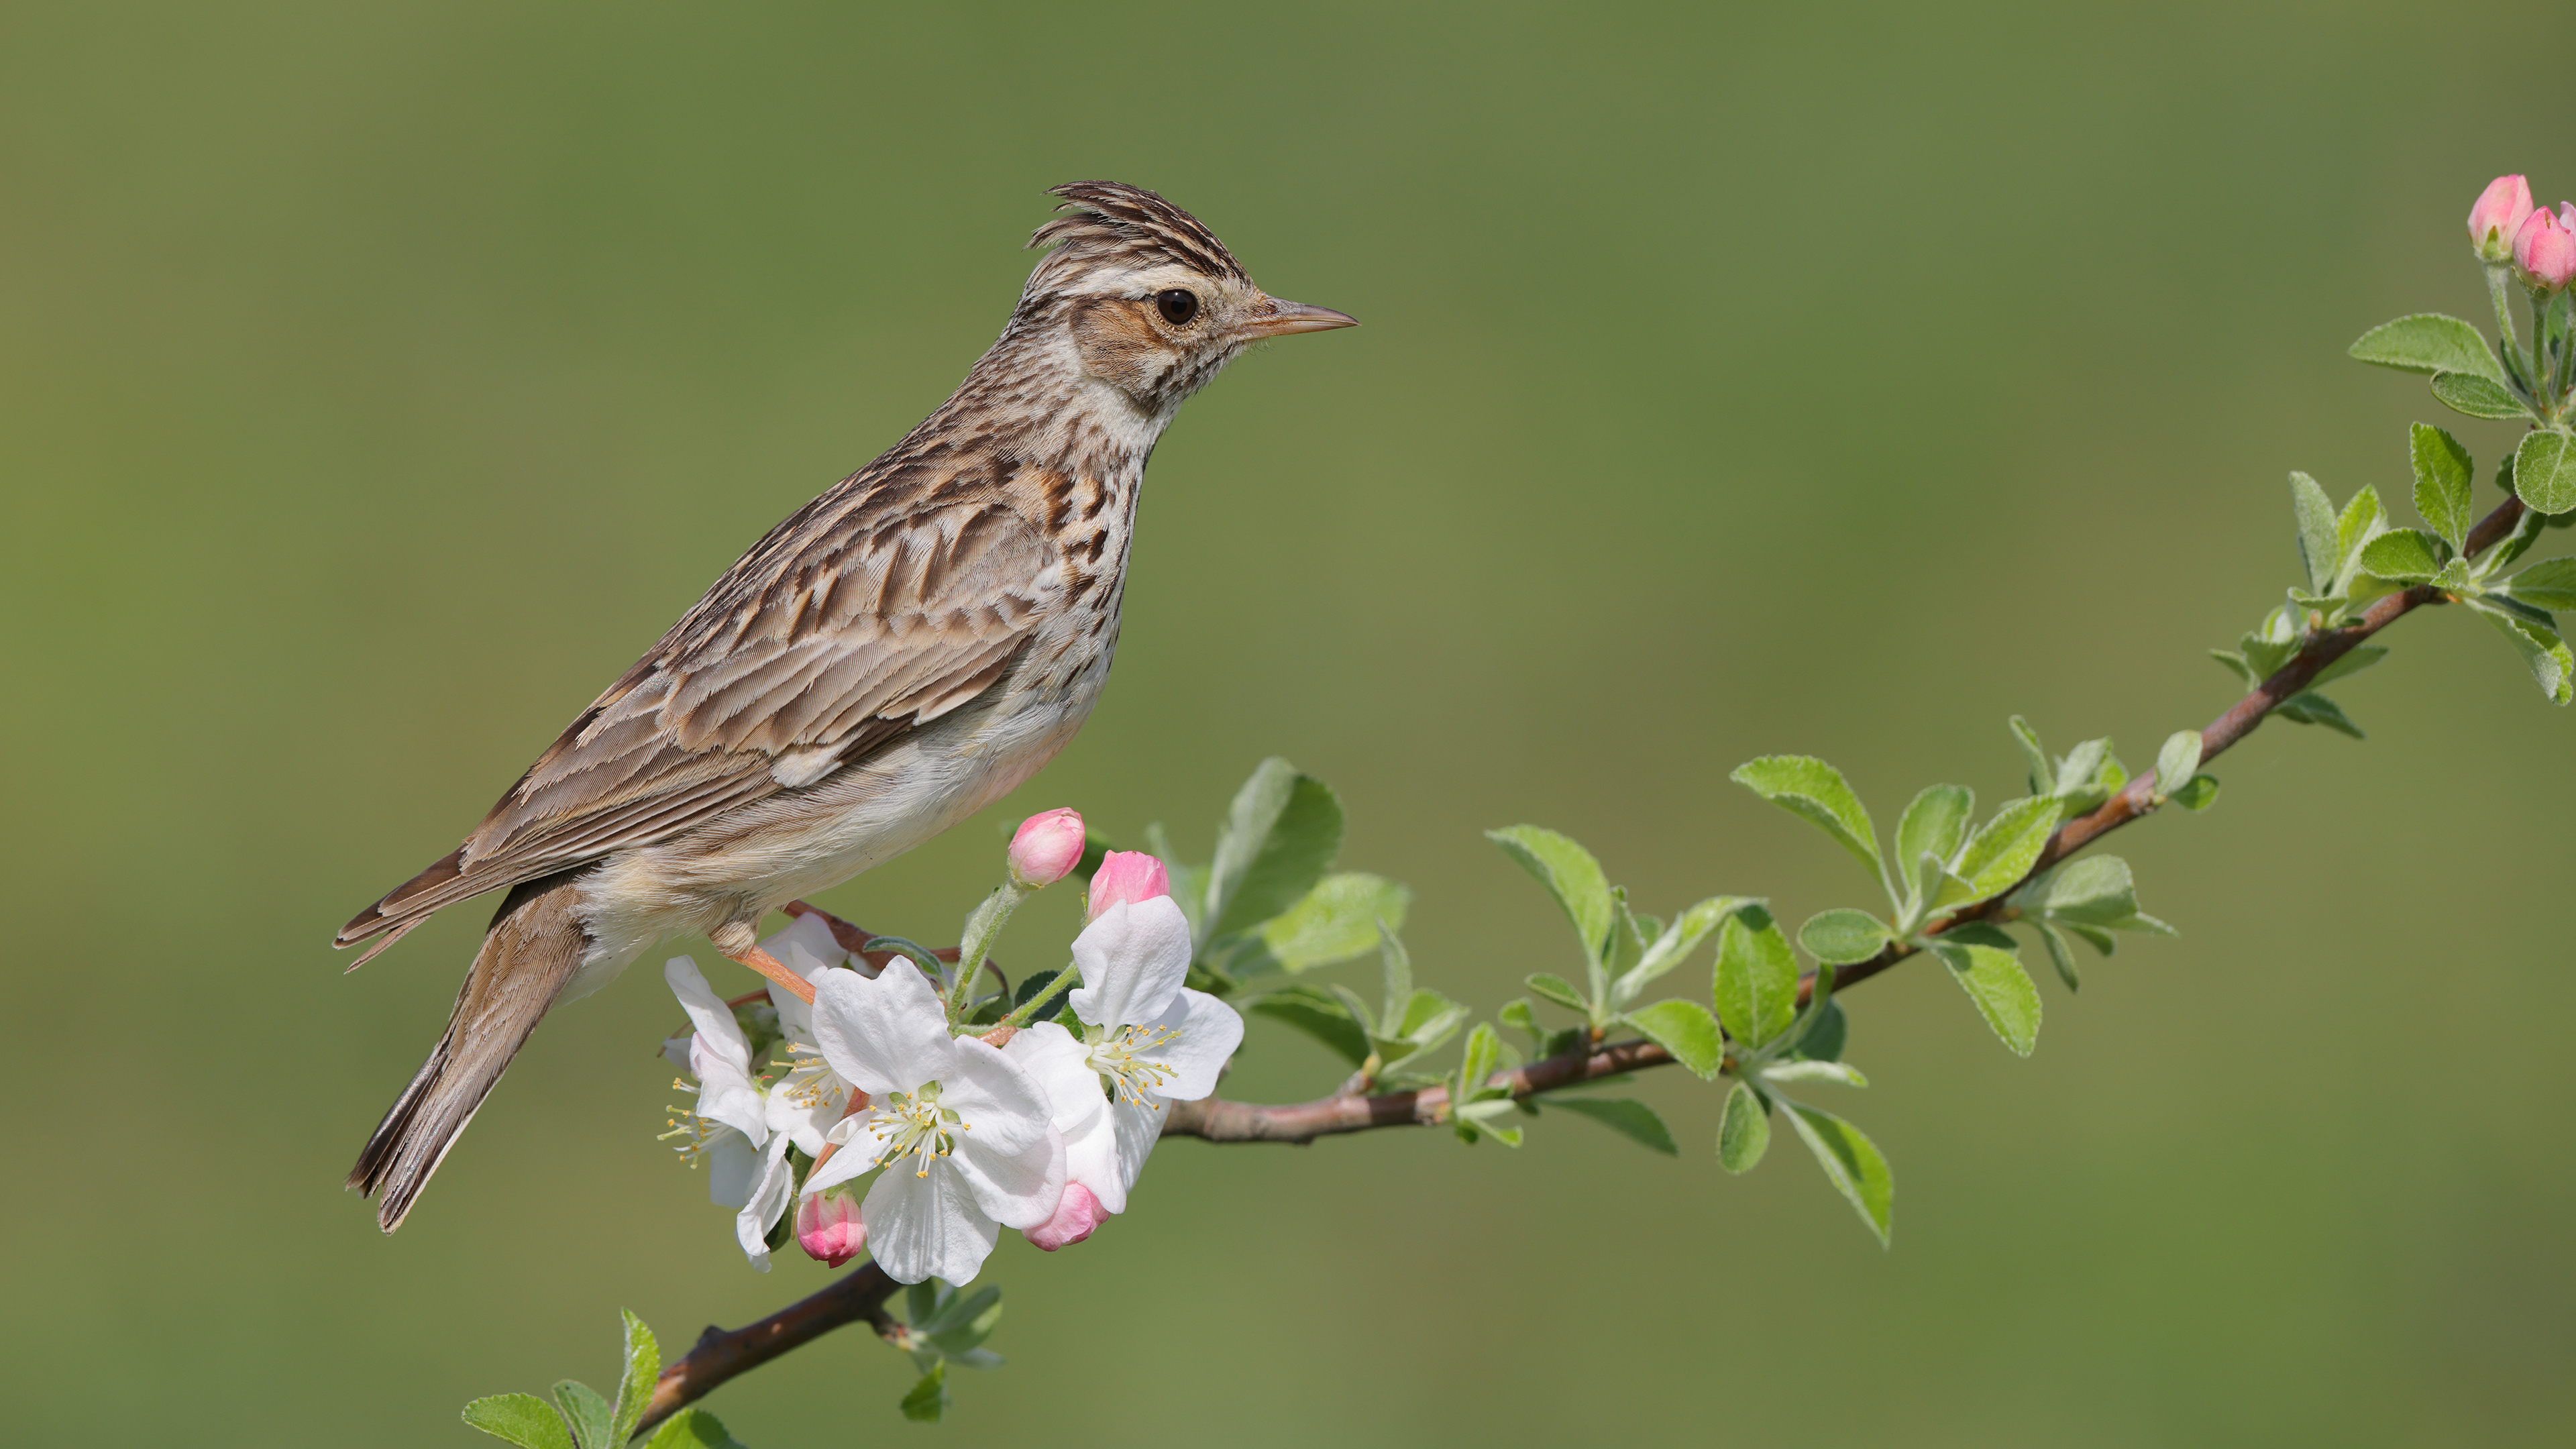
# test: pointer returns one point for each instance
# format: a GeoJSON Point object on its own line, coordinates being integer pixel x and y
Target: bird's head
{"type": "Point", "coordinates": [1143, 298]}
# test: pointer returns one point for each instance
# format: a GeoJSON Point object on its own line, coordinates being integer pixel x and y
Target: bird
{"type": "Point", "coordinates": [900, 652]}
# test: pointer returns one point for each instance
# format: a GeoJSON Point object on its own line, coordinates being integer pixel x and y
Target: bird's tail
{"type": "Point", "coordinates": [531, 950]}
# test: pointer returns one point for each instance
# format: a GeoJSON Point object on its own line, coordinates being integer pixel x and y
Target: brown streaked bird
{"type": "Point", "coordinates": [898, 654]}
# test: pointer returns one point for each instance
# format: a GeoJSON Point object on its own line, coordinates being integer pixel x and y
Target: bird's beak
{"type": "Point", "coordinates": [1274, 318]}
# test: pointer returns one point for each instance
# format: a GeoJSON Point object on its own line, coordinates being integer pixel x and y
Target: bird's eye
{"type": "Point", "coordinates": [1177, 304]}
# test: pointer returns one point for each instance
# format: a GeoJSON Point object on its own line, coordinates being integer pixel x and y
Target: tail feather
{"type": "Point", "coordinates": [534, 946]}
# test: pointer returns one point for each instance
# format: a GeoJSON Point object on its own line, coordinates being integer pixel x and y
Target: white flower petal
{"type": "Point", "coordinates": [806, 947]}
{"type": "Point", "coordinates": [1138, 1129]}
{"type": "Point", "coordinates": [1091, 1158]}
{"type": "Point", "coordinates": [858, 1153]}
{"type": "Point", "coordinates": [927, 1227]}
{"type": "Point", "coordinates": [1132, 960]}
{"type": "Point", "coordinates": [1006, 1109]}
{"type": "Point", "coordinates": [726, 1095]}
{"type": "Point", "coordinates": [805, 1122]}
{"type": "Point", "coordinates": [1206, 1033]}
{"type": "Point", "coordinates": [718, 1033]}
{"type": "Point", "coordinates": [769, 1199]}
{"type": "Point", "coordinates": [733, 1165]}
{"type": "Point", "coordinates": [1061, 1066]}
{"type": "Point", "coordinates": [885, 1035]}
{"type": "Point", "coordinates": [1015, 1189]}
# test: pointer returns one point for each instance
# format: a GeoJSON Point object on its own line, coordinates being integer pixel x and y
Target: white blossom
{"type": "Point", "coordinates": [1147, 1041]}
{"type": "Point", "coordinates": [961, 1132]}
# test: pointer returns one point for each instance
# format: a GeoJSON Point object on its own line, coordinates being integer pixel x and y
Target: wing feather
{"type": "Point", "coordinates": [841, 631]}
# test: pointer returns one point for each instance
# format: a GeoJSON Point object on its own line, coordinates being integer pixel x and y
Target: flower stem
{"type": "Point", "coordinates": [1020, 1018]}
{"type": "Point", "coordinates": [983, 927]}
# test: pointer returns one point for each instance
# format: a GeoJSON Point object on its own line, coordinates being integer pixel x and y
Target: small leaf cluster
{"type": "Point", "coordinates": [2356, 555]}
{"type": "Point", "coordinates": [944, 1326]}
{"type": "Point", "coordinates": [2477, 380]}
{"type": "Point", "coordinates": [580, 1418]}
{"type": "Point", "coordinates": [1269, 903]}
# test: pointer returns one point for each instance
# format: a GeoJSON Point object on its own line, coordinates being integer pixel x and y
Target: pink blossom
{"type": "Point", "coordinates": [1076, 1217]}
{"type": "Point", "coordinates": [1046, 848]}
{"type": "Point", "coordinates": [828, 1228]}
{"type": "Point", "coordinates": [2498, 215]}
{"type": "Point", "coordinates": [2544, 250]}
{"type": "Point", "coordinates": [1126, 876]}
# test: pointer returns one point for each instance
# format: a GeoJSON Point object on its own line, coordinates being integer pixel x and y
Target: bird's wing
{"type": "Point", "coordinates": [842, 630]}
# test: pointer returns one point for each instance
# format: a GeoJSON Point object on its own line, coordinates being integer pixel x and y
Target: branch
{"type": "Point", "coordinates": [718, 1355]}
{"type": "Point", "coordinates": [1216, 1120]}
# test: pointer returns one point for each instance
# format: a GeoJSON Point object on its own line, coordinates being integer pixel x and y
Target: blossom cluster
{"type": "Point", "coordinates": [890, 1128]}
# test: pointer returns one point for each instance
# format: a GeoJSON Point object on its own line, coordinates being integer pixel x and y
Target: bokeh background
{"type": "Point", "coordinates": [376, 382]}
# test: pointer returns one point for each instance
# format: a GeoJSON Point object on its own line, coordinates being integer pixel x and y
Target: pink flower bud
{"type": "Point", "coordinates": [828, 1228]}
{"type": "Point", "coordinates": [1046, 848]}
{"type": "Point", "coordinates": [2497, 216]}
{"type": "Point", "coordinates": [1076, 1216]}
{"type": "Point", "coordinates": [2544, 251]}
{"type": "Point", "coordinates": [1126, 876]}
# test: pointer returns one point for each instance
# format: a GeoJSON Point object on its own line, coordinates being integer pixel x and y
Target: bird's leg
{"type": "Point", "coordinates": [740, 943]}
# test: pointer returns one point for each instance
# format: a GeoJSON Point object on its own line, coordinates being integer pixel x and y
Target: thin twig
{"type": "Point", "coordinates": [719, 1356]}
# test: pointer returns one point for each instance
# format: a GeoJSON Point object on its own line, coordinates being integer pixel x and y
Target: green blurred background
{"type": "Point", "coordinates": [376, 382]}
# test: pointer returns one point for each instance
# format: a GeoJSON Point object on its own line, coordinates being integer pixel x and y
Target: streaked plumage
{"type": "Point", "coordinates": [897, 654]}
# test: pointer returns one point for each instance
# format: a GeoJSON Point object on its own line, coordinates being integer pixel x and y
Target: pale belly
{"type": "Point", "coordinates": [758, 858]}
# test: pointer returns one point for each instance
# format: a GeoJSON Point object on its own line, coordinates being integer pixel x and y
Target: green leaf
{"type": "Point", "coordinates": [1794, 1070]}
{"type": "Point", "coordinates": [1935, 822]}
{"type": "Point", "coordinates": [1428, 1019]}
{"type": "Point", "coordinates": [928, 1398]}
{"type": "Point", "coordinates": [1281, 832]}
{"type": "Point", "coordinates": [2429, 342]}
{"type": "Point", "coordinates": [2466, 392]}
{"type": "Point", "coordinates": [2544, 471]}
{"type": "Point", "coordinates": [2238, 665]}
{"type": "Point", "coordinates": [1675, 943]}
{"type": "Point", "coordinates": [2444, 479]}
{"type": "Point", "coordinates": [2316, 515]}
{"type": "Point", "coordinates": [2362, 520]}
{"type": "Point", "coordinates": [693, 1429]}
{"type": "Point", "coordinates": [2001, 853]}
{"type": "Point", "coordinates": [2199, 793]}
{"type": "Point", "coordinates": [1743, 1131]}
{"type": "Point", "coordinates": [1685, 1029]}
{"type": "Point", "coordinates": [1189, 882]}
{"type": "Point", "coordinates": [1633, 1120]}
{"type": "Point", "coordinates": [2354, 660]}
{"type": "Point", "coordinates": [1852, 1163]}
{"type": "Point", "coordinates": [1844, 936]}
{"type": "Point", "coordinates": [2094, 891]}
{"type": "Point", "coordinates": [1476, 1063]}
{"type": "Point", "coordinates": [1318, 1014]}
{"type": "Point", "coordinates": [1815, 791]}
{"type": "Point", "coordinates": [1559, 990]}
{"type": "Point", "coordinates": [523, 1419]}
{"type": "Point", "coordinates": [2077, 772]}
{"type": "Point", "coordinates": [1335, 921]}
{"type": "Point", "coordinates": [2060, 956]}
{"type": "Point", "coordinates": [2406, 555]}
{"type": "Point", "coordinates": [2034, 757]}
{"type": "Point", "coordinates": [963, 1323]}
{"type": "Point", "coordinates": [1570, 874]}
{"type": "Point", "coordinates": [1489, 1118]}
{"type": "Point", "coordinates": [2542, 651]}
{"type": "Point", "coordinates": [641, 1365]}
{"type": "Point", "coordinates": [1757, 978]}
{"type": "Point", "coordinates": [2550, 584]}
{"type": "Point", "coordinates": [587, 1413]}
{"type": "Point", "coordinates": [1821, 1027]}
{"type": "Point", "coordinates": [1981, 960]}
{"type": "Point", "coordinates": [2176, 762]}
{"type": "Point", "coordinates": [2310, 707]}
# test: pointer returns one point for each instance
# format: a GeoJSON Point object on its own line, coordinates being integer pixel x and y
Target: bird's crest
{"type": "Point", "coordinates": [1111, 223]}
